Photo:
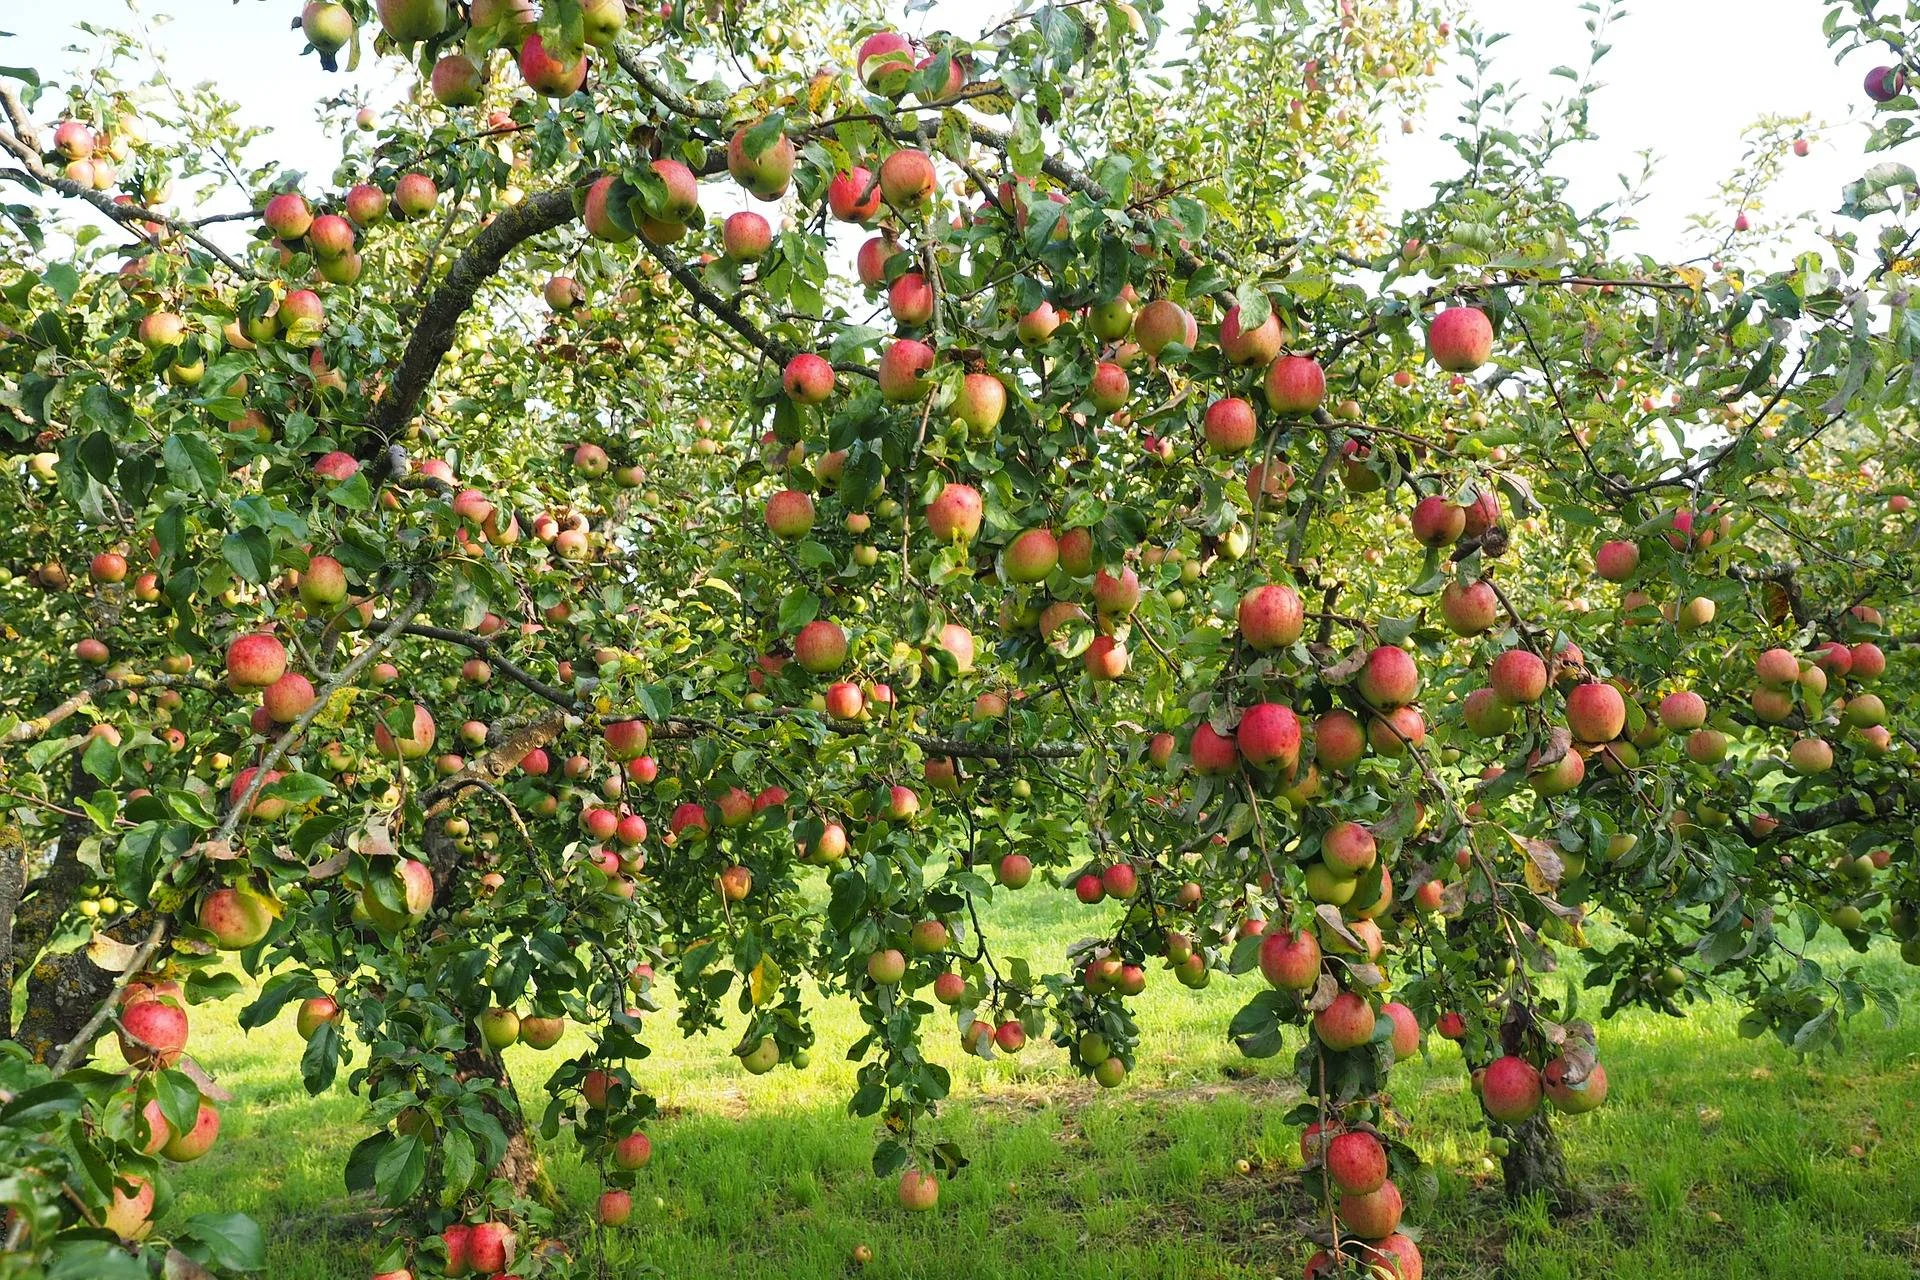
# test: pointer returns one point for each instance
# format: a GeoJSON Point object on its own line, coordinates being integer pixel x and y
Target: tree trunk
{"type": "Point", "coordinates": [1535, 1166]}
{"type": "Point", "coordinates": [62, 991]}
{"type": "Point", "coordinates": [13, 884]}
{"type": "Point", "coordinates": [521, 1166]}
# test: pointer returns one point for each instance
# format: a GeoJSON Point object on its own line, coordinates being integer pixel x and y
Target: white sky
{"type": "Point", "coordinates": [1684, 78]}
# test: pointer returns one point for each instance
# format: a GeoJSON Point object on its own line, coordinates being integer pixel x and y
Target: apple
{"type": "Point", "coordinates": [1469, 610]}
{"type": "Point", "coordinates": [1388, 678]}
{"type": "Point", "coordinates": [499, 1028]}
{"type": "Point", "coordinates": [807, 379]}
{"type": "Point", "coordinates": [313, 1013]}
{"type": "Point", "coordinates": [1259, 345]}
{"type": "Point", "coordinates": [1510, 1090]}
{"type": "Point", "coordinates": [1596, 712]}
{"type": "Point", "coordinates": [1230, 425]}
{"type": "Point", "coordinates": [763, 172]}
{"type": "Point", "coordinates": [918, 1191]}
{"type": "Point", "coordinates": [1269, 734]}
{"type": "Point", "coordinates": [1356, 1162]}
{"type": "Point", "coordinates": [789, 514]}
{"type": "Point", "coordinates": [152, 1033]}
{"type": "Point", "coordinates": [907, 180]}
{"type": "Point", "coordinates": [1271, 617]}
{"type": "Point", "coordinates": [1518, 676]}
{"type": "Point", "coordinates": [820, 647]}
{"type": "Point", "coordinates": [1460, 339]}
{"type": "Point", "coordinates": [546, 74]}
{"type": "Point", "coordinates": [1437, 522]}
{"type": "Point", "coordinates": [236, 917]}
{"type": "Point", "coordinates": [1345, 1024]}
{"type": "Point", "coordinates": [1290, 960]}
{"type": "Point", "coordinates": [853, 195]}
{"type": "Point", "coordinates": [197, 1141]}
{"type": "Point", "coordinates": [902, 371]}
{"type": "Point", "coordinates": [954, 515]}
{"type": "Point", "coordinates": [255, 660]}
{"type": "Point", "coordinates": [746, 236]}
{"type": "Point", "coordinates": [1372, 1216]}
{"type": "Point", "coordinates": [1295, 385]}
{"type": "Point", "coordinates": [1348, 848]}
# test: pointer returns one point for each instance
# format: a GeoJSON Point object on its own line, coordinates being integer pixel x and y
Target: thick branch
{"type": "Point", "coordinates": [27, 730]}
{"type": "Point", "coordinates": [433, 334]}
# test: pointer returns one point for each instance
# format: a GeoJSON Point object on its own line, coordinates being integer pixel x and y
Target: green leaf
{"type": "Point", "coordinates": [250, 552]}
{"type": "Point", "coordinates": [1254, 306]}
{"type": "Point", "coordinates": [364, 1158]}
{"type": "Point", "coordinates": [797, 608]}
{"type": "Point", "coordinates": [192, 464]}
{"type": "Point", "coordinates": [179, 1099]}
{"type": "Point", "coordinates": [233, 1241]}
{"type": "Point", "coordinates": [321, 1059]}
{"type": "Point", "coordinates": [457, 1164]}
{"type": "Point", "coordinates": [42, 1102]}
{"type": "Point", "coordinates": [400, 1169]}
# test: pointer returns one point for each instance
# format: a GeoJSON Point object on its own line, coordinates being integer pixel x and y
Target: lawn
{"type": "Point", "coordinates": [1714, 1157]}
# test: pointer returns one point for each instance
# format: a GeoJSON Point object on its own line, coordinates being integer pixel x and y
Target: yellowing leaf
{"type": "Point", "coordinates": [764, 982]}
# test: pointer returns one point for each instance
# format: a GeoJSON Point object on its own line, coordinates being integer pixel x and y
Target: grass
{"type": "Point", "coordinates": [1714, 1157]}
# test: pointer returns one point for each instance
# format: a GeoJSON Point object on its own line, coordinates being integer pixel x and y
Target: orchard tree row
{"type": "Point", "coordinates": [716, 500]}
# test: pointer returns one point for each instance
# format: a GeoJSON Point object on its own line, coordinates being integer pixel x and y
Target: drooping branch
{"type": "Point", "coordinates": [23, 144]}
{"type": "Point", "coordinates": [243, 803]}
{"type": "Point", "coordinates": [490, 768]}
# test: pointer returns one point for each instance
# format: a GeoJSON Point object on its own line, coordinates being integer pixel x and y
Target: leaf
{"type": "Point", "coordinates": [250, 553]}
{"type": "Point", "coordinates": [457, 1164]}
{"type": "Point", "coordinates": [110, 954]}
{"type": "Point", "coordinates": [179, 1099]}
{"type": "Point", "coordinates": [1346, 669]}
{"type": "Point", "coordinates": [763, 981]}
{"type": "Point", "coordinates": [1330, 918]}
{"type": "Point", "coordinates": [363, 1158]}
{"type": "Point", "coordinates": [1541, 862]}
{"type": "Point", "coordinates": [1254, 306]}
{"type": "Point", "coordinates": [763, 135]}
{"type": "Point", "coordinates": [42, 1102]}
{"type": "Point", "coordinates": [232, 1240]}
{"type": "Point", "coordinates": [797, 608]}
{"type": "Point", "coordinates": [179, 1266]}
{"type": "Point", "coordinates": [889, 1158]}
{"type": "Point", "coordinates": [1255, 1030]}
{"type": "Point", "coordinates": [192, 464]}
{"type": "Point", "coordinates": [93, 1260]}
{"type": "Point", "coordinates": [101, 759]}
{"type": "Point", "coordinates": [400, 1169]}
{"type": "Point", "coordinates": [321, 1058]}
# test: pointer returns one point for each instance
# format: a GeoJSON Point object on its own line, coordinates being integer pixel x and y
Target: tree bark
{"type": "Point", "coordinates": [1535, 1166]}
{"type": "Point", "coordinates": [521, 1166]}
{"type": "Point", "coordinates": [13, 884]}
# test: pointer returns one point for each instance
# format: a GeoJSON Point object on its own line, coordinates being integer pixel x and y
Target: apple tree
{"type": "Point", "coordinates": [713, 501]}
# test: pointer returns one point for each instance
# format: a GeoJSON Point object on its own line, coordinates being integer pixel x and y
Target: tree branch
{"type": "Point", "coordinates": [434, 332]}
{"type": "Point", "coordinates": [484, 645]}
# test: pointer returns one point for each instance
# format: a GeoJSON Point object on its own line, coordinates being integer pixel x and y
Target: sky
{"type": "Point", "coordinates": [1684, 79]}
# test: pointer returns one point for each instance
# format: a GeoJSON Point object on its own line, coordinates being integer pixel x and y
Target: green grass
{"type": "Point", "coordinates": [1714, 1157]}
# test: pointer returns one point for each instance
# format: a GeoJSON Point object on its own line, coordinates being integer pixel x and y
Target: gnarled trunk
{"type": "Point", "coordinates": [1535, 1166]}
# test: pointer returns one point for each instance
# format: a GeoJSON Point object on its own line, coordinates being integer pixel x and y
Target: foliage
{"type": "Point", "coordinates": [701, 625]}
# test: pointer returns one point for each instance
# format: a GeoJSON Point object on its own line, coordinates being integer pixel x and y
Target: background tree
{"type": "Point", "coordinates": [647, 520]}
